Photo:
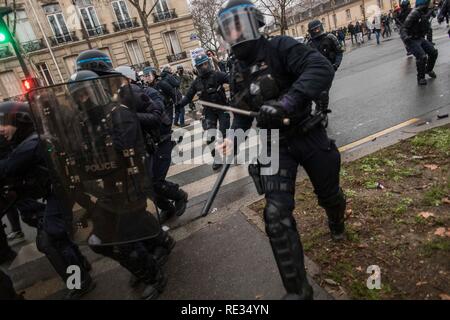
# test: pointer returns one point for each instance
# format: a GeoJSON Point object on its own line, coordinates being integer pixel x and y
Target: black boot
{"type": "Point", "coordinates": [8, 256]}
{"type": "Point", "coordinates": [172, 191]}
{"type": "Point", "coordinates": [336, 218]}
{"type": "Point", "coordinates": [181, 201]}
{"type": "Point", "coordinates": [421, 65]}
{"type": "Point", "coordinates": [155, 286]}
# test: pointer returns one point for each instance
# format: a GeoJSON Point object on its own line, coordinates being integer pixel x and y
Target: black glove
{"type": "Point", "coordinates": [271, 115]}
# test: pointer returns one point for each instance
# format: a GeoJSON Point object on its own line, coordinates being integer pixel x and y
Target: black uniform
{"type": "Point", "coordinates": [26, 165]}
{"type": "Point", "coordinates": [7, 291]}
{"type": "Point", "coordinates": [328, 45]}
{"type": "Point", "coordinates": [209, 87]}
{"type": "Point", "coordinates": [156, 123]}
{"type": "Point", "coordinates": [303, 74]}
{"type": "Point", "coordinates": [413, 33]}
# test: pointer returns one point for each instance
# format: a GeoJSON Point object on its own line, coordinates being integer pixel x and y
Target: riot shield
{"type": "Point", "coordinates": [97, 158]}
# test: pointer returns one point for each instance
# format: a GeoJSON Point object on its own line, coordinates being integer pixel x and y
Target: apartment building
{"type": "Point", "coordinates": [333, 14]}
{"type": "Point", "coordinates": [112, 26]}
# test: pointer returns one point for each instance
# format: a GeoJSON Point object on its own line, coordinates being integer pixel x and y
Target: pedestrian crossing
{"type": "Point", "coordinates": [195, 174]}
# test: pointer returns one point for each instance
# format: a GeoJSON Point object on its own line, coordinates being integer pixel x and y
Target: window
{"type": "Point", "coordinates": [323, 23]}
{"type": "Point", "coordinates": [334, 20]}
{"type": "Point", "coordinates": [135, 52]}
{"type": "Point", "coordinates": [162, 6]}
{"type": "Point", "coordinates": [70, 63]}
{"type": "Point", "coordinates": [24, 31]}
{"type": "Point", "coordinates": [361, 7]}
{"type": "Point", "coordinates": [11, 84]}
{"type": "Point", "coordinates": [89, 17]}
{"type": "Point", "coordinates": [348, 14]}
{"type": "Point", "coordinates": [172, 43]}
{"type": "Point", "coordinates": [121, 11]}
{"type": "Point", "coordinates": [45, 73]}
{"type": "Point", "coordinates": [302, 27]}
{"type": "Point", "coordinates": [380, 4]}
{"type": "Point", "coordinates": [57, 22]}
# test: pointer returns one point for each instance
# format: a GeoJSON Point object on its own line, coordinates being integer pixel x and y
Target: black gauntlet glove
{"type": "Point", "coordinates": [271, 115]}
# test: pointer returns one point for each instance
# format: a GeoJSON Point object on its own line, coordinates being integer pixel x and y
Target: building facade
{"type": "Point", "coordinates": [334, 14]}
{"type": "Point", "coordinates": [112, 26]}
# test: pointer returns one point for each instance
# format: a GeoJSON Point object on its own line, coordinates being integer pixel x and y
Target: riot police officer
{"type": "Point", "coordinates": [165, 86]}
{"type": "Point", "coordinates": [293, 75]}
{"type": "Point", "coordinates": [400, 17]}
{"type": "Point", "coordinates": [413, 33]}
{"type": "Point", "coordinates": [209, 86]}
{"type": "Point", "coordinates": [27, 167]}
{"type": "Point", "coordinates": [132, 246]}
{"type": "Point", "coordinates": [326, 43]}
{"type": "Point", "coordinates": [157, 126]}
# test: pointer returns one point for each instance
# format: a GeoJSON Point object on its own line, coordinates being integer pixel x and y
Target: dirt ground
{"type": "Point", "coordinates": [398, 218]}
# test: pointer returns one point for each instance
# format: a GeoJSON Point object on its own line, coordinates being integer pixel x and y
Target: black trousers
{"type": "Point", "coordinates": [320, 158]}
{"type": "Point", "coordinates": [425, 54]}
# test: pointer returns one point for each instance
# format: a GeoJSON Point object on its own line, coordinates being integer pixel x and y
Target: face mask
{"type": "Point", "coordinates": [245, 51]}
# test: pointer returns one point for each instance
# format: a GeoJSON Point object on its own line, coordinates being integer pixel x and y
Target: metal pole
{"type": "Point", "coordinates": [286, 121]}
{"type": "Point", "coordinates": [215, 189]}
{"type": "Point", "coordinates": [46, 41]}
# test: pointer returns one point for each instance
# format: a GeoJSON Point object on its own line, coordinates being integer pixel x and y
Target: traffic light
{"type": "Point", "coordinates": [28, 84]}
{"type": "Point", "coordinates": [5, 34]}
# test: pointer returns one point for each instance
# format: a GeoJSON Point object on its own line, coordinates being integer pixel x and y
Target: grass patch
{"type": "Point", "coordinates": [403, 206]}
{"type": "Point", "coordinates": [437, 139]}
{"type": "Point", "coordinates": [433, 196]}
{"type": "Point", "coordinates": [431, 247]}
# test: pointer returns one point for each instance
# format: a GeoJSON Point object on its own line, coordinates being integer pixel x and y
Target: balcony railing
{"type": "Point", "coordinates": [62, 39]}
{"type": "Point", "coordinates": [5, 52]}
{"type": "Point", "coordinates": [97, 31]}
{"type": "Point", "coordinates": [177, 57]}
{"type": "Point", "coordinates": [33, 45]}
{"type": "Point", "coordinates": [162, 16]}
{"type": "Point", "coordinates": [140, 66]}
{"type": "Point", "coordinates": [125, 24]}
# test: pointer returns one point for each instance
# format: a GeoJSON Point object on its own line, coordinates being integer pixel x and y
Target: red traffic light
{"type": "Point", "coordinates": [28, 84]}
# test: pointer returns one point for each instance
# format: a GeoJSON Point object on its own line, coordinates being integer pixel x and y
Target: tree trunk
{"type": "Point", "coordinates": [146, 28]}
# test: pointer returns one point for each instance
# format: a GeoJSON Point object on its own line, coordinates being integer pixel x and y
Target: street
{"type": "Point", "coordinates": [375, 89]}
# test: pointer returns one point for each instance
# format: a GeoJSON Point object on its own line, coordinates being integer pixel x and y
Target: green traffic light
{"type": "Point", "coordinates": [2, 37]}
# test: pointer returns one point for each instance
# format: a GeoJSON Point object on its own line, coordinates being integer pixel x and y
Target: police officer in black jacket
{"type": "Point", "coordinates": [209, 86]}
{"type": "Point", "coordinates": [290, 75]}
{"type": "Point", "coordinates": [413, 32]}
{"type": "Point", "coordinates": [326, 43]}
{"type": "Point", "coordinates": [27, 167]}
{"type": "Point", "coordinates": [158, 130]}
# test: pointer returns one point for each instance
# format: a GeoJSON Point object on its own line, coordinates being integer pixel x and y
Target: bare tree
{"type": "Point", "coordinates": [204, 16]}
{"type": "Point", "coordinates": [281, 10]}
{"type": "Point", "coordinates": [145, 10]}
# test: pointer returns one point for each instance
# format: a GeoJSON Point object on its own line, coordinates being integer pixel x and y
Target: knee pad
{"type": "Point", "coordinates": [278, 217]}
{"type": "Point", "coordinates": [44, 242]}
{"type": "Point", "coordinates": [333, 201]}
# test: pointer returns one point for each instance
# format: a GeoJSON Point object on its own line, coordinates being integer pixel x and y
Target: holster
{"type": "Point", "coordinates": [254, 170]}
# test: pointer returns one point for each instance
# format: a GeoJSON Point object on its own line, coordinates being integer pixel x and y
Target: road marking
{"type": "Point", "coordinates": [377, 135]}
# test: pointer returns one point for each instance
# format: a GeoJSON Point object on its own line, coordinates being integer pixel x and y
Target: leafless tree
{"type": "Point", "coordinates": [145, 9]}
{"type": "Point", "coordinates": [204, 16]}
{"type": "Point", "coordinates": [281, 10]}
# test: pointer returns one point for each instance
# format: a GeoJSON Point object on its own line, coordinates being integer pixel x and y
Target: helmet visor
{"type": "Point", "coordinates": [238, 24]}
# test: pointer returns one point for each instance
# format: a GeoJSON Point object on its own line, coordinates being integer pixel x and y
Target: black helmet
{"type": "Point", "coordinates": [239, 21]}
{"type": "Point", "coordinates": [315, 29]}
{"type": "Point", "coordinates": [15, 113]}
{"type": "Point", "coordinates": [95, 60]}
{"type": "Point", "coordinates": [404, 4]}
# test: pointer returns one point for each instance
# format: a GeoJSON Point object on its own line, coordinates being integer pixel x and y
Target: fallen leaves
{"type": "Point", "coordinates": [442, 232]}
{"type": "Point", "coordinates": [446, 200]}
{"type": "Point", "coordinates": [331, 282]}
{"type": "Point", "coordinates": [432, 167]}
{"type": "Point", "coordinates": [444, 296]}
{"type": "Point", "coordinates": [425, 214]}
